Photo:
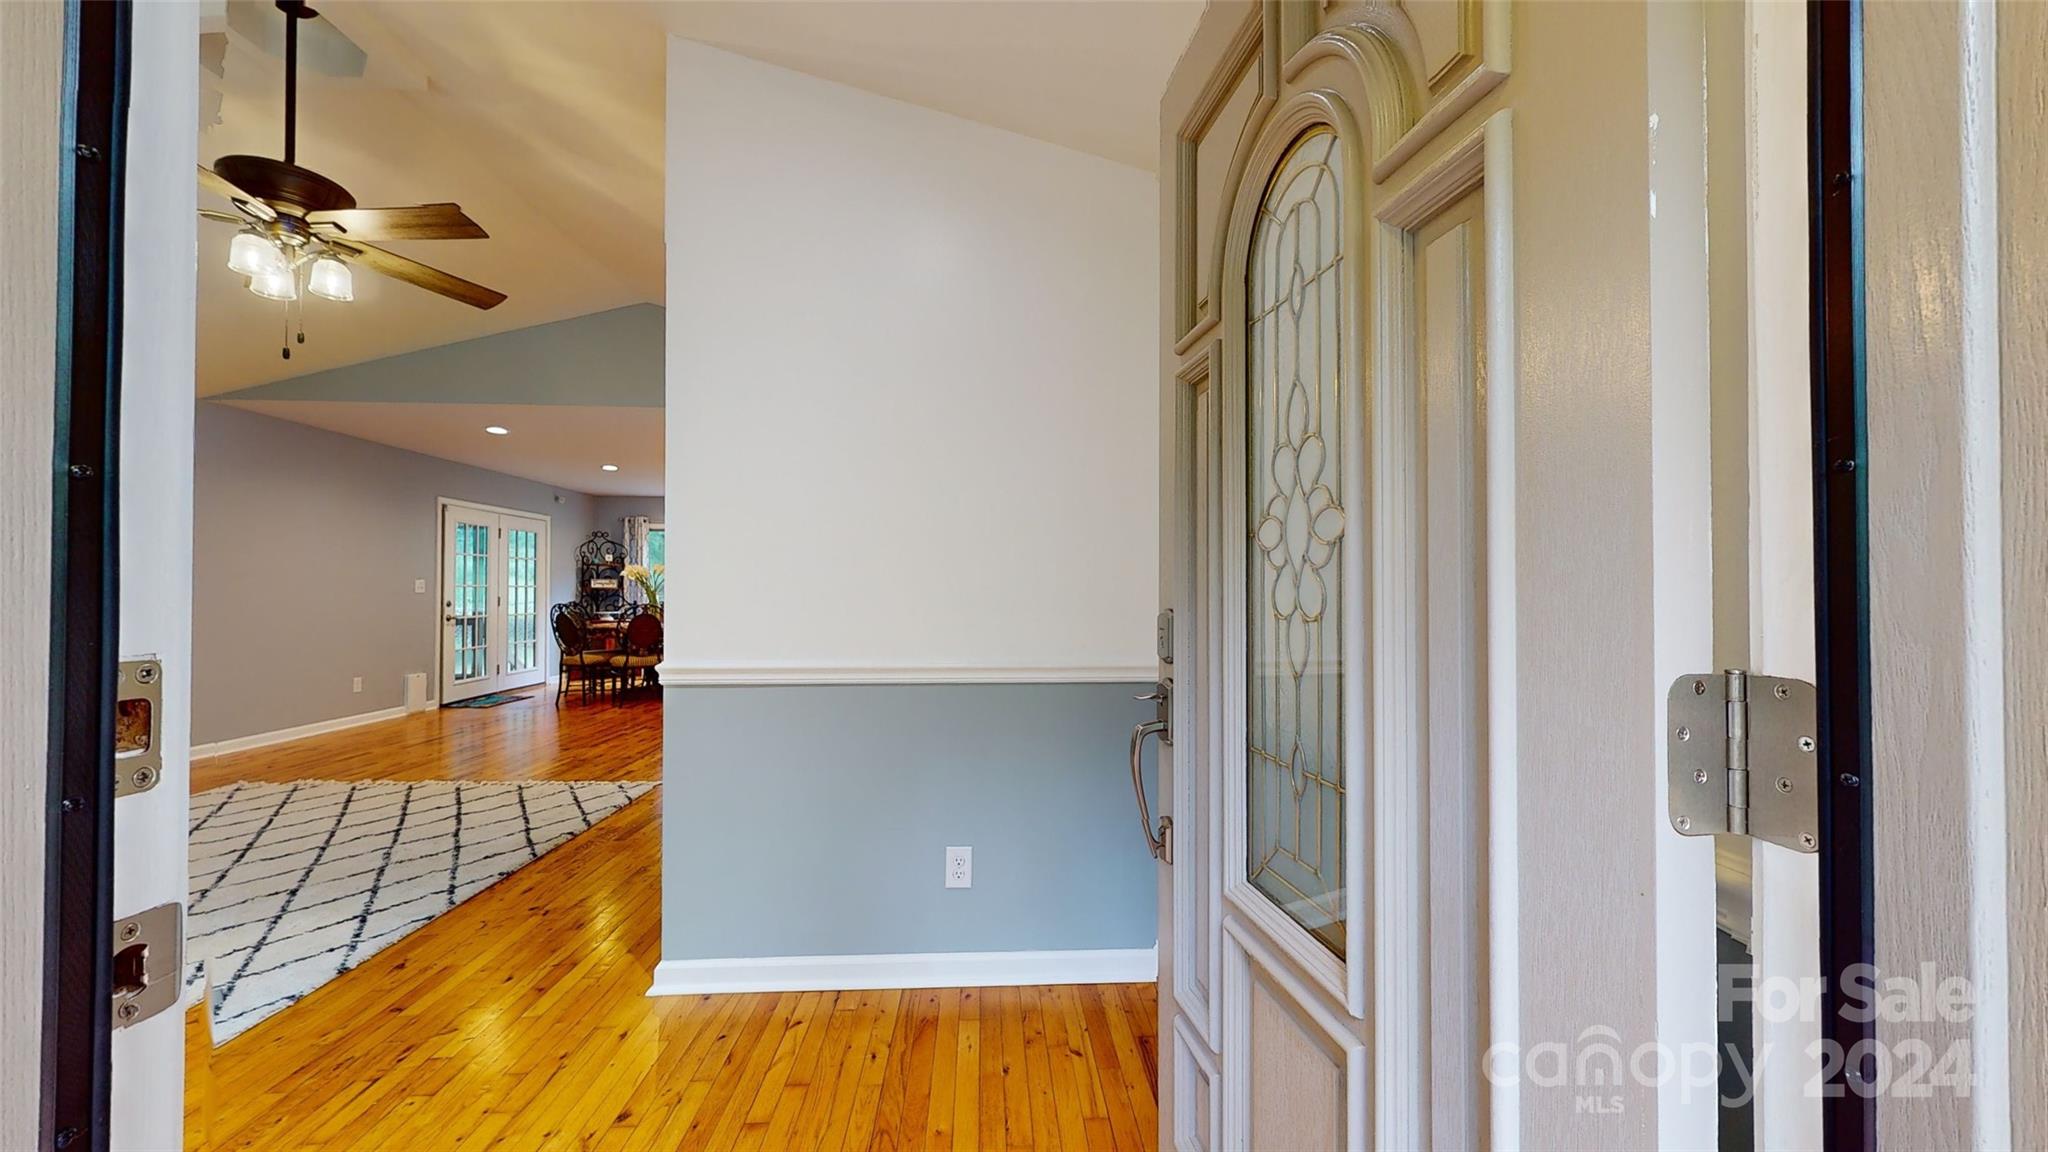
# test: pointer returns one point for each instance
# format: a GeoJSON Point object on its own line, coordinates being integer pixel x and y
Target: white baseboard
{"type": "Point", "coordinates": [911, 970]}
{"type": "Point", "coordinates": [283, 735]}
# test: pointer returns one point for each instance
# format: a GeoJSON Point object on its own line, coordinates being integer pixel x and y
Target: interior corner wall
{"type": "Point", "coordinates": [912, 505]}
{"type": "Point", "coordinates": [306, 544]}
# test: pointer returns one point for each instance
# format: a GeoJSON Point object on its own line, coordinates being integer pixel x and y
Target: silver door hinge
{"type": "Point", "coordinates": [1744, 758]}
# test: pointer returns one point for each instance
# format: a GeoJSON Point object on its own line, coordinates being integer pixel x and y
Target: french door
{"type": "Point", "coordinates": [494, 600]}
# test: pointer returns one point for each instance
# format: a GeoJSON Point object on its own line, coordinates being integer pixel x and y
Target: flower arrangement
{"type": "Point", "coordinates": [649, 578]}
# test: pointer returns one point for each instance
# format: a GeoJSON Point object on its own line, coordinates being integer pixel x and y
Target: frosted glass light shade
{"type": "Point", "coordinates": [280, 285]}
{"type": "Point", "coordinates": [252, 255]}
{"type": "Point", "coordinates": [330, 280]}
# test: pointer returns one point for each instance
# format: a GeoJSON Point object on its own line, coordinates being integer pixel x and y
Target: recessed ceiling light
{"type": "Point", "coordinates": [611, 467]}
{"type": "Point", "coordinates": [494, 430]}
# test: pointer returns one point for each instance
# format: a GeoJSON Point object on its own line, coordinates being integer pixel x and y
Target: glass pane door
{"type": "Point", "coordinates": [1294, 576]}
{"type": "Point", "coordinates": [471, 596]}
{"type": "Point", "coordinates": [525, 548]}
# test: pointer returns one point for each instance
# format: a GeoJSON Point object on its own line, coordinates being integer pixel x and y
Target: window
{"type": "Point", "coordinates": [1295, 423]}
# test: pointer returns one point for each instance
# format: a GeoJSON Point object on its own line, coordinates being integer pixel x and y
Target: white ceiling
{"type": "Point", "coordinates": [562, 445]}
{"type": "Point", "coordinates": [544, 120]}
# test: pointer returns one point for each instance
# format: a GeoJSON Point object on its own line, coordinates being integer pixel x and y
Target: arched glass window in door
{"type": "Point", "coordinates": [1295, 425]}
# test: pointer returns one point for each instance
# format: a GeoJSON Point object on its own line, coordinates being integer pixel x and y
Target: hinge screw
{"type": "Point", "coordinates": [1784, 784]}
{"type": "Point", "coordinates": [130, 931]}
{"type": "Point", "coordinates": [1699, 687]}
{"type": "Point", "coordinates": [1806, 840]}
{"type": "Point", "coordinates": [1684, 733]}
{"type": "Point", "coordinates": [1806, 743]}
{"type": "Point", "coordinates": [1684, 823]}
{"type": "Point", "coordinates": [144, 777]}
{"type": "Point", "coordinates": [146, 674]}
{"type": "Point", "coordinates": [128, 1012]}
{"type": "Point", "coordinates": [1781, 692]}
{"type": "Point", "coordinates": [1699, 775]}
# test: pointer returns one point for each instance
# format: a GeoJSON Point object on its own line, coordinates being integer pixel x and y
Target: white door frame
{"type": "Point", "coordinates": [545, 594]}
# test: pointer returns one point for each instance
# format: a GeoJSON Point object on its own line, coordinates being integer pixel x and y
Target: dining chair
{"type": "Point", "coordinates": [639, 646]}
{"type": "Point", "coordinates": [578, 658]}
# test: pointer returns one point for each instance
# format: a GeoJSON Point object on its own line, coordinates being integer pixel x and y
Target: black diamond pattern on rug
{"type": "Point", "coordinates": [294, 884]}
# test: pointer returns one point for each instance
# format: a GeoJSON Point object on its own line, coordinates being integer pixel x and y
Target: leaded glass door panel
{"type": "Point", "coordinates": [1296, 502]}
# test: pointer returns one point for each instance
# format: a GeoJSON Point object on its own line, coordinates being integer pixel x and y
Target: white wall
{"type": "Point", "coordinates": [911, 368]}
{"type": "Point", "coordinates": [31, 77]}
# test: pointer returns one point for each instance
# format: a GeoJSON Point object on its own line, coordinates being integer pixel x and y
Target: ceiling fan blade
{"type": "Point", "coordinates": [223, 217]}
{"type": "Point", "coordinates": [214, 182]}
{"type": "Point", "coordinates": [413, 272]}
{"type": "Point", "coordinates": [418, 222]}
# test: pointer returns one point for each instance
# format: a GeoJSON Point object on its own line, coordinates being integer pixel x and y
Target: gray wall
{"type": "Point", "coordinates": [805, 821]}
{"type": "Point", "coordinates": [612, 509]}
{"type": "Point", "coordinates": [306, 544]}
{"type": "Point", "coordinates": [610, 357]}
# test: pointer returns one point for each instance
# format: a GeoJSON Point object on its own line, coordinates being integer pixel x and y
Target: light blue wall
{"type": "Point", "coordinates": [606, 358]}
{"type": "Point", "coordinates": [808, 821]}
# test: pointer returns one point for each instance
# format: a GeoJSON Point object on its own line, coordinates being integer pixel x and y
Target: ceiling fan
{"type": "Point", "coordinates": [300, 229]}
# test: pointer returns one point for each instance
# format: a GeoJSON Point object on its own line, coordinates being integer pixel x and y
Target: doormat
{"type": "Point", "coordinates": [294, 884]}
{"type": "Point", "coordinates": [489, 700]}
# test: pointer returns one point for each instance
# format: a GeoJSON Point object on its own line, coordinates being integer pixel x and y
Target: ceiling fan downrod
{"type": "Point", "coordinates": [294, 11]}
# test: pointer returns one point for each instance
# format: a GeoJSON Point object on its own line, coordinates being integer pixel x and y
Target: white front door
{"type": "Point", "coordinates": [1323, 944]}
{"type": "Point", "coordinates": [494, 600]}
{"type": "Point", "coordinates": [1343, 339]}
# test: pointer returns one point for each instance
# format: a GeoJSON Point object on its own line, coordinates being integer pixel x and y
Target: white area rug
{"type": "Point", "coordinates": [294, 884]}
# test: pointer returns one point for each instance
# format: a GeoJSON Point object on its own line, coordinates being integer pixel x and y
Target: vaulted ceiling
{"type": "Point", "coordinates": [544, 120]}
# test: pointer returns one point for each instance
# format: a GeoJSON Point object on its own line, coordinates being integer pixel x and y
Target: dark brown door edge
{"type": "Point", "coordinates": [1834, 46]}
{"type": "Point", "coordinates": [79, 805]}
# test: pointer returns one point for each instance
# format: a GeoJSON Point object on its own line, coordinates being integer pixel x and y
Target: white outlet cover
{"type": "Point", "coordinates": [419, 585]}
{"type": "Point", "coordinates": [356, 685]}
{"type": "Point", "coordinates": [959, 867]}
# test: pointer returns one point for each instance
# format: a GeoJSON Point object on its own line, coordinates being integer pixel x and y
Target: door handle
{"type": "Point", "coordinates": [1159, 841]}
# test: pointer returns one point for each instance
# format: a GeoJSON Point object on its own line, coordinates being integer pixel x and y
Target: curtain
{"type": "Point", "coordinates": [635, 533]}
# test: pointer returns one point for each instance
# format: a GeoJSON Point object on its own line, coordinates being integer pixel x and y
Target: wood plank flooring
{"type": "Point", "coordinates": [529, 739]}
{"type": "Point", "coordinates": [519, 1020]}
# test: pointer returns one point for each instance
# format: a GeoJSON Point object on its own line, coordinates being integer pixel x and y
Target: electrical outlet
{"type": "Point", "coordinates": [419, 585]}
{"type": "Point", "coordinates": [356, 685]}
{"type": "Point", "coordinates": [959, 867]}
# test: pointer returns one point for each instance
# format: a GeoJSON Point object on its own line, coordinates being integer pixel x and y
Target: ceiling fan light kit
{"type": "Point", "coordinates": [282, 285]}
{"type": "Point", "coordinates": [295, 218]}
{"type": "Point", "coordinates": [254, 254]}
{"type": "Point", "coordinates": [330, 280]}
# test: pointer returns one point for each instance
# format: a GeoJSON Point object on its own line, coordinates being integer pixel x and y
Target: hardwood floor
{"type": "Point", "coordinates": [528, 739]}
{"type": "Point", "coordinates": [519, 1020]}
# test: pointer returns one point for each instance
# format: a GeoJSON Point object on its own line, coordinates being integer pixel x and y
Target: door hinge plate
{"type": "Point", "coordinates": [138, 727]}
{"type": "Point", "coordinates": [148, 963]}
{"type": "Point", "coordinates": [1743, 758]}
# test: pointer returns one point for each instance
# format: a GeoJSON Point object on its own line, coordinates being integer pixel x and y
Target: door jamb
{"type": "Point", "coordinates": [1841, 558]}
{"type": "Point", "coordinates": [77, 993]}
